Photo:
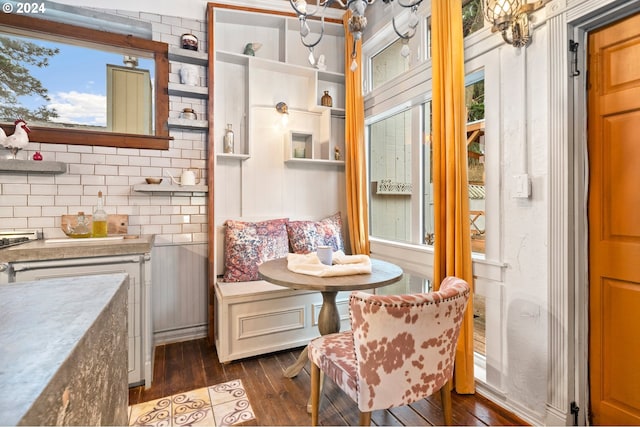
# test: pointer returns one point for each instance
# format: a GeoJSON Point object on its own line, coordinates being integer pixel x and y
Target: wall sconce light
{"type": "Point", "coordinates": [512, 15]}
{"type": "Point", "coordinates": [282, 108]}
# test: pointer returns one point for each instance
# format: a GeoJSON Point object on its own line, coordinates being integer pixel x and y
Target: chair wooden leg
{"type": "Point", "coordinates": [315, 393]}
{"type": "Point", "coordinates": [365, 418]}
{"type": "Point", "coordinates": [445, 396]}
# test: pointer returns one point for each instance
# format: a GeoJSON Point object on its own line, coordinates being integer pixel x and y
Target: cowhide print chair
{"type": "Point", "coordinates": [400, 349]}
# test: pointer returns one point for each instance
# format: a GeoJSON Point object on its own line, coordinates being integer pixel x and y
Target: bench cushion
{"type": "Point", "coordinates": [248, 244]}
{"type": "Point", "coordinates": [306, 236]}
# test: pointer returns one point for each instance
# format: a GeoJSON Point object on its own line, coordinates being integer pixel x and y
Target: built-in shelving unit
{"type": "Point", "coordinates": [249, 86]}
{"type": "Point", "coordinates": [32, 166]}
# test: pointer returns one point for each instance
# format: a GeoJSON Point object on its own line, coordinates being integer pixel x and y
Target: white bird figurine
{"type": "Point", "coordinates": [3, 136]}
{"type": "Point", "coordinates": [19, 139]}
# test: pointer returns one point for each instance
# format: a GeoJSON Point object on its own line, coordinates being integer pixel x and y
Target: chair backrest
{"type": "Point", "coordinates": [405, 344]}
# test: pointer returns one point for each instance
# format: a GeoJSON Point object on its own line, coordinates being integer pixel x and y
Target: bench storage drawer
{"type": "Point", "coordinates": [258, 317]}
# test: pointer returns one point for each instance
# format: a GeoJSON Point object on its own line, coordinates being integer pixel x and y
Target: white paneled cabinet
{"type": "Point", "coordinates": [138, 268]}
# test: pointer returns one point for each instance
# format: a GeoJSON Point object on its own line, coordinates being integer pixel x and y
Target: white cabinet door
{"type": "Point", "coordinates": [130, 264]}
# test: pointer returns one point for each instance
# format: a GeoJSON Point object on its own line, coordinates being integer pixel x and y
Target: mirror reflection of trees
{"type": "Point", "coordinates": [16, 80]}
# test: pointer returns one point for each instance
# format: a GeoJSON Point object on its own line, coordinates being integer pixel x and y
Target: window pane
{"type": "Point", "coordinates": [427, 167]}
{"type": "Point", "coordinates": [474, 96]}
{"type": "Point", "coordinates": [472, 16]}
{"type": "Point", "coordinates": [390, 177]}
{"type": "Point", "coordinates": [387, 64]}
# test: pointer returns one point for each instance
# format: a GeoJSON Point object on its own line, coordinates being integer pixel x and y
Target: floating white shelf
{"type": "Point", "coordinates": [233, 156]}
{"type": "Point", "coordinates": [178, 123]}
{"type": "Point", "coordinates": [316, 161]}
{"type": "Point", "coordinates": [190, 91]}
{"type": "Point", "coordinates": [175, 190]}
{"type": "Point", "coordinates": [188, 56]}
{"type": "Point", "coordinates": [32, 166]}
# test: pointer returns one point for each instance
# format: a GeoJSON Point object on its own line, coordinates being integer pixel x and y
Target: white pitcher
{"type": "Point", "coordinates": [188, 177]}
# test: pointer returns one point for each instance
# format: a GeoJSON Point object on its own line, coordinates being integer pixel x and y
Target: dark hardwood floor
{"type": "Point", "coordinates": [277, 400]}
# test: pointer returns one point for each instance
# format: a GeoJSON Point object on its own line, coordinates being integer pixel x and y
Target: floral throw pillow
{"type": "Point", "coordinates": [248, 244]}
{"type": "Point", "coordinates": [306, 236]}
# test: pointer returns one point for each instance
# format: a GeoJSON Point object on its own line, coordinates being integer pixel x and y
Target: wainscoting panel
{"type": "Point", "coordinates": [179, 292]}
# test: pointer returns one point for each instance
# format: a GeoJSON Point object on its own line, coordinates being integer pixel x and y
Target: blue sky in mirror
{"type": "Point", "coordinates": [76, 79]}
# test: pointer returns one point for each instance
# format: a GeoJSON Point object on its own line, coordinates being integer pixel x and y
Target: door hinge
{"type": "Point", "coordinates": [575, 409]}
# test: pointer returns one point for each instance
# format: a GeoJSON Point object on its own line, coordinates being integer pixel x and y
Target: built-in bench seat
{"type": "Point", "coordinates": [257, 317]}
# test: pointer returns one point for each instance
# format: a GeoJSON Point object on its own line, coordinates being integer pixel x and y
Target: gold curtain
{"type": "Point", "coordinates": [354, 159]}
{"type": "Point", "coordinates": [452, 249]}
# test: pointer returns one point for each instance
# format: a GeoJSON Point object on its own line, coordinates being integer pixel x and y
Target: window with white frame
{"type": "Point", "coordinates": [398, 145]}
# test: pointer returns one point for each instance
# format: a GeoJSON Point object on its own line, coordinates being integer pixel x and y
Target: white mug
{"type": "Point", "coordinates": [325, 254]}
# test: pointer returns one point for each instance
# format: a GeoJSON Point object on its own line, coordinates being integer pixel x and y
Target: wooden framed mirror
{"type": "Point", "coordinates": [157, 136]}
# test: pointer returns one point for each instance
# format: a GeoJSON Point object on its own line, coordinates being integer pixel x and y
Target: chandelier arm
{"type": "Point", "coordinates": [412, 3]}
{"type": "Point", "coordinates": [315, 43]}
{"type": "Point", "coordinates": [405, 36]}
{"type": "Point", "coordinates": [304, 14]}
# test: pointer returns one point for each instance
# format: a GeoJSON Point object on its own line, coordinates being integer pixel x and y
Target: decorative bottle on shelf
{"type": "Point", "coordinates": [228, 140]}
{"type": "Point", "coordinates": [326, 99]}
{"type": "Point", "coordinates": [99, 219]}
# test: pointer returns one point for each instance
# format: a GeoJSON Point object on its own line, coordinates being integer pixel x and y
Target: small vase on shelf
{"type": "Point", "coordinates": [326, 100]}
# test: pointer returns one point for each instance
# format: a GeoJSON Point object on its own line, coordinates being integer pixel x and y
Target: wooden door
{"type": "Point", "coordinates": [614, 222]}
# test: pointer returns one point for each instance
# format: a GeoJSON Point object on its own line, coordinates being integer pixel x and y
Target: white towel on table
{"type": "Point", "coordinates": [343, 265]}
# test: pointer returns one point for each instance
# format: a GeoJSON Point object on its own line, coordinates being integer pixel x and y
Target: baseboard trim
{"type": "Point", "coordinates": [181, 334]}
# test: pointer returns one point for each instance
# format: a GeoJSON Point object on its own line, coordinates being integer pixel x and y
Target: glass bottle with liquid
{"type": "Point", "coordinates": [228, 146]}
{"type": "Point", "coordinates": [99, 219]}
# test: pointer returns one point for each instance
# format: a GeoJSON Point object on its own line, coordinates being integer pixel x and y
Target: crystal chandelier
{"type": "Point", "coordinates": [357, 21]}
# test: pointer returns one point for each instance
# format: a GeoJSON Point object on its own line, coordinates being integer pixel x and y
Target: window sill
{"type": "Point", "coordinates": [46, 135]}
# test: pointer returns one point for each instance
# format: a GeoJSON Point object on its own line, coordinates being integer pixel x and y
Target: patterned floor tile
{"type": "Point", "coordinates": [233, 412]}
{"type": "Point", "coordinates": [153, 413]}
{"type": "Point", "coordinates": [220, 405]}
{"type": "Point", "coordinates": [225, 392]}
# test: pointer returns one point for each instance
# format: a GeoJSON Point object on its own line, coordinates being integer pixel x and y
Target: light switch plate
{"type": "Point", "coordinates": [521, 186]}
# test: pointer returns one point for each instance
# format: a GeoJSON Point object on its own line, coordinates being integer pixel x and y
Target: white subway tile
{"type": "Point", "coordinates": [117, 160]}
{"type": "Point", "coordinates": [31, 211]}
{"type": "Point", "coordinates": [106, 170]}
{"type": "Point", "coordinates": [93, 180]}
{"type": "Point", "coordinates": [16, 189]}
{"type": "Point", "coordinates": [94, 159]}
{"type": "Point", "coordinates": [16, 223]}
{"type": "Point", "coordinates": [41, 222]}
{"type": "Point", "coordinates": [43, 189]}
{"type": "Point", "coordinates": [81, 169]}
{"type": "Point", "coordinates": [67, 201]}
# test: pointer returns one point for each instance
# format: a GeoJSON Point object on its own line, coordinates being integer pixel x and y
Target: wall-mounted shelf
{"type": "Point", "coordinates": [190, 91]}
{"type": "Point", "coordinates": [232, 156]}
{"type": "Point", "coordinates": [178, 123]}
{"type": "Point", "coordinates": [174, 190]}
{"type": "Point", "coordinates": [188, 56]}
{"type": "Point", "coordinates": [32, 166]}
{"type": "Point", "coordinates": [315, 162]}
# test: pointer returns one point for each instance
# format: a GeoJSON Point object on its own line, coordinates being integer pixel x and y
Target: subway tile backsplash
{"type": "Point", "coordinates": [39, 201]}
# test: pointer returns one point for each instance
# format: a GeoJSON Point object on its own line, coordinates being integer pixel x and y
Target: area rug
{"type": "Point", "coordinates": [224, 404]}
